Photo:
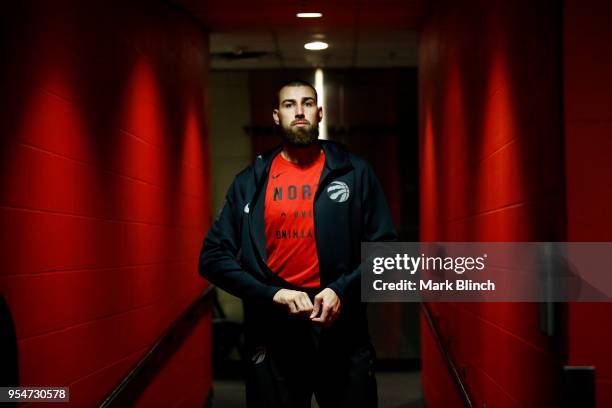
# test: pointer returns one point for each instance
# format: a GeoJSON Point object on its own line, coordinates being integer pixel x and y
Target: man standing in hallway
{"type": "Point", "coordinates": [288, 242]}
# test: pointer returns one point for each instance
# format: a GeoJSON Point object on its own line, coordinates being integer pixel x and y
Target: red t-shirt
{"type": "Point", "coordinates": [289, 220]}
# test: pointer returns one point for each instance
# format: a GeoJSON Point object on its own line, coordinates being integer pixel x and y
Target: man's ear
{"type": "Point", "coordinates": [320, 115]}
{"type": "Point", "coordinates": [275, 116]}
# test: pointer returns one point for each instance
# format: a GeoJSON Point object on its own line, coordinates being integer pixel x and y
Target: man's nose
{"type": "Point", "coordinates": [299, 111]}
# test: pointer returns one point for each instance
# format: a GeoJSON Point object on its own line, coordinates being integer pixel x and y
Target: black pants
{"type": "Point", "coordinates": [299, 359]}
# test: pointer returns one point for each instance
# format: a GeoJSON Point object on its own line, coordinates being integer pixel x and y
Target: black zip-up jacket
{"type": "Point", "coordinates": [234, 253]}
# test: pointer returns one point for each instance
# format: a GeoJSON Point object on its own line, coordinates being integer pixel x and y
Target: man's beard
{"type": "Point", "coordinates": [301, 137]}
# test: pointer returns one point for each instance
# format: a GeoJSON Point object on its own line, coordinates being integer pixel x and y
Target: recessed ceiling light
{"type": "Point", "coordinates": [316, 45]}
{"type": "Point", "coordinates": [309, 15]}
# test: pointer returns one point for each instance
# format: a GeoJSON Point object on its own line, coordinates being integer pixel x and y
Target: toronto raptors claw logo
{"type": "Point", "coordinates": [338, 191]}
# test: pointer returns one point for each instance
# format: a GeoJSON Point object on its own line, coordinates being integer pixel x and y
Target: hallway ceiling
{"type": "Point", "coordinates": [267, 33]}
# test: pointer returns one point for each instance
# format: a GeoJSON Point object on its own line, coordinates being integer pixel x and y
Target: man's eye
{"type": "Point", "coordinates": [287, 105]}
{"type": "Point", "coordinates": [309, 104]}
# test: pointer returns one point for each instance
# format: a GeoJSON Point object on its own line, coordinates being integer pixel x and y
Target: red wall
{"type": "Point", "coordinates": [491, 169]}
{"type": "Point", "coordinates": [587, 81]}
{"type": "Point", "coordinates": [104, 191]}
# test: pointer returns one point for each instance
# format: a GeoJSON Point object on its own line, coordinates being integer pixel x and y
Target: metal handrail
{"type": "Point", "coordinates": [114, 398]}
{"type": "Point", "coordinates": [467, 401]}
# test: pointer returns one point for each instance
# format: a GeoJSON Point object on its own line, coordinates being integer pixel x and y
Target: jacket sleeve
{"type": "Point", "coordinates": [218, 259]}
{"type": "Point", "coordinates": [377, 226]}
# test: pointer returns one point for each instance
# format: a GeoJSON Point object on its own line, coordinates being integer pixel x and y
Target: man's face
{"type": "Point", "coordinates": [298, 115]}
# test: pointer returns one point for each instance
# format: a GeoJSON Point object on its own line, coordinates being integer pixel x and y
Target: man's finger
{"type": "Point", "coordinates": [316, 307]}
{"type": "Point", "coordinates": [325, 313]}
{"type": "Point", "coordinates": [334, 314]}
{"type": "Point", "coordinates": [303, 304]}
{"type": "Point", "coordinates": [309, 304]}
{"type": "Point", "coordinates": [326, 318]}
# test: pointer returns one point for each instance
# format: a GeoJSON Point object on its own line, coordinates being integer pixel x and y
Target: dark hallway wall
{"type": "Point", "coordinates": [588, 134]}
{"type": "Point", "coordinates": [491, 167]}
{"type": "Point", "coordinates": [104, 195]}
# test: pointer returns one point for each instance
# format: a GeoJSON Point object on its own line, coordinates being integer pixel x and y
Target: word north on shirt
{"type": "Point", "coordinates": [292, 192]}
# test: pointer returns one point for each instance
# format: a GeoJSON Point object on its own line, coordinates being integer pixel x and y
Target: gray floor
{"type": "Point", "coordinates": [395, 390]}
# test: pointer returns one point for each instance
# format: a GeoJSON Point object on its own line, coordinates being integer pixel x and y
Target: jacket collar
{"type": "Point", "coordinates": [336, 156]}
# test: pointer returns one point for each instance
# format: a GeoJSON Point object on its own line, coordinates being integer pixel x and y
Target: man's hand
{"type": "Point", "coordinates": [328, 304]}
{"type": "Point", "coordinates": [297, 303]}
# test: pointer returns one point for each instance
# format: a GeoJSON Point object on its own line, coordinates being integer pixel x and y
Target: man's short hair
{"type": "Point", "coordinates": [295, 82]}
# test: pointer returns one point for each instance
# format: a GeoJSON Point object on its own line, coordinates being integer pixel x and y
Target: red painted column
{"type": "Point", "coordinates": [491, 164]}
{"type": "Point", "coordinates": [104, 192]}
